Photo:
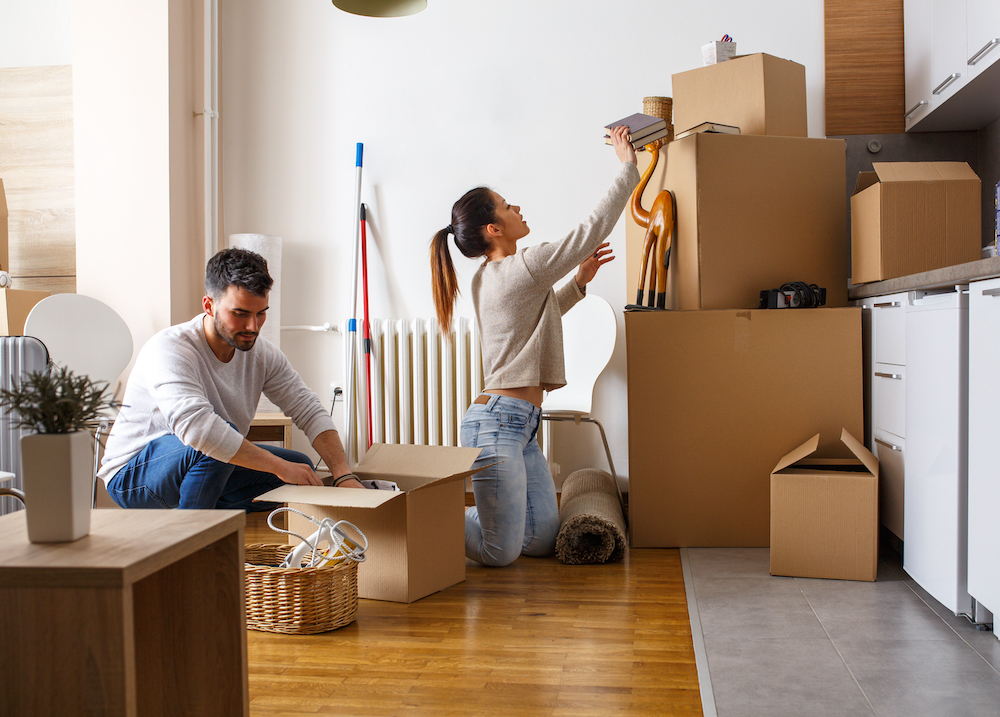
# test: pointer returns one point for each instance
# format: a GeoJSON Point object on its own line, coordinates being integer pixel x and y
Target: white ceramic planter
{"type": "Point", "coordinates": [57, 469]}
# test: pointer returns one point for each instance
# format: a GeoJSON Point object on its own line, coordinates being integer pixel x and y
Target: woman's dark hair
{"type": "Point", "coordinates": [237, 267]}
{"type": "Point", "coordinates": [469, 216]}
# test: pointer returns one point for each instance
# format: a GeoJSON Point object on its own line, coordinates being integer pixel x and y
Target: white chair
{"type": "Point", "coordinates": [86, 336]}
{"type": "Point", "coordinates": [590, 331]}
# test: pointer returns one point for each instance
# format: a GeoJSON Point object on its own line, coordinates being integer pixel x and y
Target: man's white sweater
{"type": "Point", "coordinates": [179, 386]}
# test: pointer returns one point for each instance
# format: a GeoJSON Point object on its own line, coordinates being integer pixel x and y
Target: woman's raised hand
{"type": "Point", "coordinates": [588, 269]}
{"type": "Point", "coordinates": [623, 148]}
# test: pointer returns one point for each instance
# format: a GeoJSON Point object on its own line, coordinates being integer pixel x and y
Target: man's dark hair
{"type": "Point", "coordinates": [237, 267]}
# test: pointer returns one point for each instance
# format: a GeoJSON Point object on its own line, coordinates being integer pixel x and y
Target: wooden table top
{"type": "Point", "coordinates": [123, 547]}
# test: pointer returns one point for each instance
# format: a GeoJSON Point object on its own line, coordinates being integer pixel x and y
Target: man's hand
{"type": "Point", "coordinates": [298, 474]}
{"type": "Point", "coordinates": [350, 483]}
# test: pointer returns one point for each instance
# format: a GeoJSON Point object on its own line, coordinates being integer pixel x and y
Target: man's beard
{"type": "Point", "coordinates": [236, 340]}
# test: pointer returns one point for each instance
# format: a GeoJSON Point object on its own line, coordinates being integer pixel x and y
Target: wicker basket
{"type": "Point", "coordinates": [662, 107]}
{"type": "Point", "coordinates": [297, 601]}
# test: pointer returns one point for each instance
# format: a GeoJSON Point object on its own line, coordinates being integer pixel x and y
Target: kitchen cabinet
{"type": "Point", "coordinates": [983, 39]}
{"type": "Point", "coordinates": [886, 374]}
{"type": "Point", "coordinates": [951, 69]}
{"type": "Point", "coordinates": [935, 461]}
{"type": "Point", "coordinates": [984, 449]}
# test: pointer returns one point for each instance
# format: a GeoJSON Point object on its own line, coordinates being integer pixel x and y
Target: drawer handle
{"type": "Point", "coordinates": [915, 107]}
{"type": "Point", "coordinates": [888, 304]}
{"type": "Point", "coordinates": [889, 375]}
{"type": "Point", "coordinates": [890, 446]}
{"type": "Point", "coordinates": [986, 48]}
{"type": "Point", "coordinates": [940, 88]}
{"type": "Point", "coordinates": [991, 292]}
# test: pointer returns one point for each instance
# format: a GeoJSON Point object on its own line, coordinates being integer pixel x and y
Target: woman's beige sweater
{"type": "Point", "coordinates": [519, 312]}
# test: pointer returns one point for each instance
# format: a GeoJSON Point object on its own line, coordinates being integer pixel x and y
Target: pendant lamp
{"type": "Point", "coordinates": [381, 8]}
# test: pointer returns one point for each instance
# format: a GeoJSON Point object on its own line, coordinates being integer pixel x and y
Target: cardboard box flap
{"type": "Point", "coordinates": [889, 172]}
{"type": "Point", "coordinates": [863, 454]}
{"type": "Point", "coordinates": [328, 496]}
{"type": "Point", "coordinates": [414, 467]}
{"type": "Point", "coordinates": [865, 180]}
{"type": "Point", "coordinates": [798, 454]}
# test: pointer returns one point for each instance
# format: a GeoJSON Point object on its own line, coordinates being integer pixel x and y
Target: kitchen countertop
{"type": "Point", "coordinates": [936, 279]}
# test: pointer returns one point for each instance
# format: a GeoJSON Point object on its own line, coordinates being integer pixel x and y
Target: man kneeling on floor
{"type": "Point", "coordinates": [192, 394]}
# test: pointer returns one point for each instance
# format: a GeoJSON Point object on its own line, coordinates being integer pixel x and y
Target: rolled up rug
{"type": "Point", "coordinates": [591, 523]}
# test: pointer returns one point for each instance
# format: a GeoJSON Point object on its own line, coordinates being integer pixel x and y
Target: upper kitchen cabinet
{"type": "Point", "coordinates": [952, 73]}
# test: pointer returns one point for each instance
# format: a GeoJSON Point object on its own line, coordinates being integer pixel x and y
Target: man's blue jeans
{"type": "Point", "coordinates": [168, 474]}
{"type": "Point", "coordinates": [516, 512]}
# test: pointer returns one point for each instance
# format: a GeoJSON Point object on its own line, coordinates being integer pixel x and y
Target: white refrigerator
{"type": "Point", "coordinates": [936, 458]}
{"type": "Point", "coordinates": [984, 442]}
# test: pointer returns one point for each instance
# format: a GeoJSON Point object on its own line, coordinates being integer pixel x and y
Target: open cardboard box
{"type": "Point", "coordinates": [824, 513]}
{"type": "Point", "coordinates": [912, 217]}
{"type": "Point", "coordinates": [416, 535]}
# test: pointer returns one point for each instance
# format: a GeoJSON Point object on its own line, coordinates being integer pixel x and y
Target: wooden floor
{"type": "Point", "coordinates": [535, 638]}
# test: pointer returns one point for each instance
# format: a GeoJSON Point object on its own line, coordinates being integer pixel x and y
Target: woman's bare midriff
{"type": "Point", "coordinates": [531, 394]}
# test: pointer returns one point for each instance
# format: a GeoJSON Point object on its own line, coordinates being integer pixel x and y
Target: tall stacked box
{"type": "Point", "coordinates": [752, 214]}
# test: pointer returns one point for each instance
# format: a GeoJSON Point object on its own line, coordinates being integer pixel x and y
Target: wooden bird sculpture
{"type": "Point", "coordinates": [659, 223]}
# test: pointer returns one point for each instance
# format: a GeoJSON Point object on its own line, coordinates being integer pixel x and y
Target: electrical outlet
{"type": "Point", "coordinates": [334, 389]}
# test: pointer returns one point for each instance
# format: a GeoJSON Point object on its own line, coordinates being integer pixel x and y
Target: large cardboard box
{"type": "Point", "coordinates": [416, 536]}
{"type": "Point", "coordinates": [824, 513]}
{"type": "Point", "coordinates": [4, 238]}
{"type": "Point", "coordinates": [15, 305]}
{"type": "Point", "coordinates": [714, 397]}
{"type": "Point", "coordinates": [760, 94]}
{"type": "Point", "coordinates": [910, 217]}
{"type": "Point", "coordinates": [752, 214]}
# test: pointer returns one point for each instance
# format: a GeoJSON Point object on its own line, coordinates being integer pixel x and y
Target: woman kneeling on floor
{"type": "Point", "coordinates": [519, 316]}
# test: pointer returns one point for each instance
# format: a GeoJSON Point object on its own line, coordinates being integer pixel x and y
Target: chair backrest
{"type": "Point", "coordinates": [590, 330]}
{"type": "Point", "coordinates": [83, 334]}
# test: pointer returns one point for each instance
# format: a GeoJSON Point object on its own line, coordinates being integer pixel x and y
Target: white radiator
{"type": "Point", "coordinates": [422, 384]}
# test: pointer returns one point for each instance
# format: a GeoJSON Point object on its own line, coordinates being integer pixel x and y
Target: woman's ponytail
{"type": "Point", "coordinates": [444, 282]}
{"type": "Point", "coordinates": [469, 217]}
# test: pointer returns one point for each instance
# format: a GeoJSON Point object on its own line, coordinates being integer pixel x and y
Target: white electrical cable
{"type": "Point", "coordinates": [340, 545]}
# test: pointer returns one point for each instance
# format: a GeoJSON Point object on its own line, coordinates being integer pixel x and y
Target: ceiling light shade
{"type": "Point", "coordinates": [381, 8]}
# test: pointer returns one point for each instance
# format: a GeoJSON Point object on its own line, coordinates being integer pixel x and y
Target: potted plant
{"type": "Point", "coordinates": [57, 461]}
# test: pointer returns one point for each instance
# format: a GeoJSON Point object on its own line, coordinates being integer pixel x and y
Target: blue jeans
{"type": "Point", "coordinates": [168, 474]}
{"type": "Point", "coordinates": [516, 511]}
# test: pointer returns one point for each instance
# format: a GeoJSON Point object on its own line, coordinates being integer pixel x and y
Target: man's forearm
{"type": "Point", "coordinates": [331, 450]}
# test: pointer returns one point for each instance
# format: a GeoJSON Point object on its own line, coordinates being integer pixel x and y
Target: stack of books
{"type": "Point", "coordinates": [642, 129]}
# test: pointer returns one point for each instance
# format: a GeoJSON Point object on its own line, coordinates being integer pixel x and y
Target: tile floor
{"type": "Point", "coordinates": [778, 646]}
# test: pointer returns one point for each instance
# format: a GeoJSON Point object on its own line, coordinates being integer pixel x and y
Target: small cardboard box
{"type": "Point", "coordinates": [760, 94]}
{"type": "Point", "coordinates": [714, 397]}
{"type": "Point", "coordinates": [416, 536]}
{"type": "Point", "coordinates": [752, 214]}
{"type": "Point", "coordinates": [911, 217]}
{"type": "Point", "coordinates": [15, 305]}
{"type": "Point", "coordinates": [717, 51]}
{"type": "Point", "coordinates": [824, 513]}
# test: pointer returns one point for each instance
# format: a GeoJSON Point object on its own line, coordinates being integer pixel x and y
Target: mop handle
{"type": "Point", "coordinates": [352, 410]}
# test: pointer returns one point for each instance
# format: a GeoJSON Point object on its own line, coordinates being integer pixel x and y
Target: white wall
{"type": "Point", "coordinates": [35, 33]}
{"type": "Point", "coordinates": [512, 95]}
